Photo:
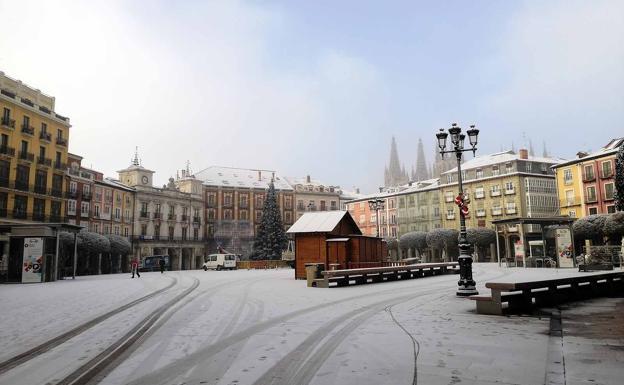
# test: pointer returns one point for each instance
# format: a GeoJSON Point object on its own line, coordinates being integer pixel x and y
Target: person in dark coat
{"type": "Point", "coordinates": [161, 263]}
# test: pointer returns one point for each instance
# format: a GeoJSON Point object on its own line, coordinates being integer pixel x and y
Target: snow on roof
{"type": "Point", "coordinates": [349, 195]}
{"type": "Point", "coordinates": [304, 181]}
{"type": "Point", "coordinates": [241, 177]}
{"type": "Point", "coordinates": [115, 183]}
{"type": "Point", "coordinates": [611, 148]}
{"type": "Point", "coordinates": [317, 222]}
{"type": "Point", "coordinates": [501, 157]}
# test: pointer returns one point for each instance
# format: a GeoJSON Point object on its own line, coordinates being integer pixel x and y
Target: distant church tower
{"type": "Point", "coordinates": [422, 170]}
{"type": "Point", "coordinates": [440, 164]}
{"type": "Point", "coordinates": [394, 174]}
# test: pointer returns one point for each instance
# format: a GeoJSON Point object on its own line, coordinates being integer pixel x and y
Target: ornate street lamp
{"type": "Point", "coordinates": [376, 205]}
{"type": "Point", "coordinates": [466, 282]}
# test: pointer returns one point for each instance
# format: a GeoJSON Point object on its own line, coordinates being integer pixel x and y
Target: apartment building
{"type": "Point", "coordinates": [33, 155]}
{"type": "Point", "coordinates": [419, 207]}
{"type": "Point", "coordinates": [586, 185]}
{"type": "Point", "coordinates": [80, 182]}
{"type": "Point", "coordinates": [501, 185]}
{"type": "Point", "coordinates": [313, 195]}
{"type": "Point", "coordinates": [366, 218]}
{"type": "Point", "coordinates": [167, 221]}
{"type": "Point", "coordinates": [234, 199]}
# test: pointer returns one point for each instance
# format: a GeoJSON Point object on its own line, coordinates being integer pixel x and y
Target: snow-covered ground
{"type": "Point", "coordinates": [264, 327]}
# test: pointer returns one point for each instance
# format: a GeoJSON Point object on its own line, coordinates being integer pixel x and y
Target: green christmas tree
{"type": "Point", "coordinates": [619, 179]}
{"type": "Point", "coordinates": [271, 238]}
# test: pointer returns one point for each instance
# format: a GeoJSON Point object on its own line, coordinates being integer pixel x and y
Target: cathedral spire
{"type": "Point", "coordinates": [421, 163]}
{"type": "Point", "coordinates": [395, 174]}
{"type": "Point", "coordinates": [545, 151]}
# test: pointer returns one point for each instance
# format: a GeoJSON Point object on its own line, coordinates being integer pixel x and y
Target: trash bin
{"type": "Point", "coordinates": [313, 271]}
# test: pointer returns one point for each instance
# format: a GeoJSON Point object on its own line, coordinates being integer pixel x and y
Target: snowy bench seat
{"type": "Point", "coordinates": [518, 297]}
{"type": "Point", "coordinates": [345, 277]}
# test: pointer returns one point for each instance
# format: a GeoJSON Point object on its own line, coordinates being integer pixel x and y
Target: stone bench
{"type": "Point", "coordinates": [520, 297]}
{"type": "Point", "coordinates": [345, 277]}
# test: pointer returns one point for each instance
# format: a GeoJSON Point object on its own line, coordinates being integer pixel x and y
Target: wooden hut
{"type": "Point", "coordinates": [334, 239]}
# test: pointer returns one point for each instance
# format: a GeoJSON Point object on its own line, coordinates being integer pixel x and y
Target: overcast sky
{"type": "Point", "coordinates": [317, 87]}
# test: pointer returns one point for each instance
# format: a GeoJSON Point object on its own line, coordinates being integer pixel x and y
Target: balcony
{"type": "Point", "coordinates": [510, 191]}
{"type": "Point", "coordinates": [21, 185]}
{"type": "Point", "coordinates": [495, 193]}
{"type": "Point", "coordinates": [59, 165]}
{"type": "Point", "coordinates": [144, 214]}
{"type": "Point", "coordinates": [40, 189]}
{"type": "Point", "coordinates": [42, 161]}
{"type": "Point", "coordinates": [605, 174]}
{"type": "Point", "coordinates": [184, 218]}
{"type": "Point", "coordinates": [61, 141]}
{"type": "Point", "coordinates": [27, 156]}
{"type": "Point", "coordinates": [589, 177]}
{"type": "Point", "coordinates": [86, 195]}
{"type": "Point", "coordinates": [45, 136]}
{"type": "Point", "coordinates": [8, 123]}
{"type": "Point", "coordinates": [157, 215]}
{"type": "Point", "coordinates": [6, 150]}
{"type": "Point", "coordinates": [28, 129]}
{"type": "Point", "coordinates": [72, 194]}
{"type": "Point", "coordinates": [171, 217]}
{"type": "Point", "coordinates": [497, 212]}
{"type": "Point", "coordinates": [56, 192]}
{"type": "Point", "coordinates": [196, 220]}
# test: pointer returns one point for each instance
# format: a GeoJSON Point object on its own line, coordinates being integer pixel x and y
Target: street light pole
{"type": "Point", "coordinates": [466, 283]}
{"type": "Point", "coordinates": [376, 205]}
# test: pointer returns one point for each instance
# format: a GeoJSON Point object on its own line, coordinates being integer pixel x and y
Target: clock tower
{"type": "Point", "coordinates": [136, 175]}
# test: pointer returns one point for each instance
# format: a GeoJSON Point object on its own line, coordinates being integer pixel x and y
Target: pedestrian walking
{"type": "Point", "coordinates": [161, 263]}
{"type": "Point", "coordinates": [134, 266]}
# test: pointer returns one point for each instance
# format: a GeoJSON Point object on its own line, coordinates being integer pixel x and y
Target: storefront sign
{"type": "Point", "coordinates": [33, 260]}
{"type": "Point", "coordinates": [564, 247]}
{"type": "Point", "coordinates": [519, 250]}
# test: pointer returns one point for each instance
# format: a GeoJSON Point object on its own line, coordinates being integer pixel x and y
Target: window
{"type": "Point", "coordinates": [26, 121]}
{"type": "Point", "coordinates": [59, 133]}
{"type": "Point", "coordinates": [143, 229]}
{"type": "Point", "coordinates": [607, 172]}
{"type": "Point", "coordinates": [21, 177]}
{"type": "Point", "coordinates": [184, 233]}
{"type": "Point", "coordinates": [117, 213]}
{"type": "Point", "coordinates": [567, 176]}
{"type": "Point", "coordinates": [55, 211]}
{"type": "Point", "coordinates": [436, 211]}
{"type": "Point", "coordinates": [157, 231]}
{"type": "Point", "coordinates": [611, 209]}
{"type": "Point", "coordinates": [323, 208]}
{"type": "Point", "coordinates": [508, 168]}
{"type": "Point", "coordinates": [450, 213]}
{"type": "Point", "coordinates": [127, 214]}
{"type": "Point", "coordinates": [211, 214]}
{"type": "Point", "coordinates": [495, 170]}
{"type": "Point", "coordinates": [609, 191]}
{"type": "Point", "coordinates": [20, 206]}
{"type": "Point", "coordinates": [227, 199]}
{"type": "Point", "coordinates": [116, 230]}
{"type": "Point", "coordinates": [333, 205]}
{"type": "Point", "coordinates": [509, 187]}
{"type": "Point", "coordinates": [24, 148]}
{"type": "Point", "coordinates": [495, 190]}
{"type": "Point", "coordinates": [96, 211]}
{"type": "Point", "coordinates": [171, 232]}
{"type": "Point", "coordinates": [73, 186]}
{"type": "Point", "coordinates": [211, 199]}
{"type": "Point", "coordinates": [143, 209]}
{"type": "Point", "coordinates": [195, 234]}
{"type": "Point", "coordinates": [589, 173]}
{"type": "Point", "coordinates": [71, 207]}
{"type": "Point", "coordinates": [362, 218]}
{"type": "Point", "coordinates": [243, 215]}
{"type": "Point", "coordinates": [38, 209]}
{"type": "Point", "coordinates": [528, 166]}
{"type": "Point", "coordinates": [479, 193]}
{"type": "Point", "coordinates": [227, 214]}
{"type": "Point", "coordinates": [449, 196]}
{"type": "Point", "coordinates": [569, 197]}
{"type": "Point", "coordinates": [591, 194]}
{"type": "Point", "coordinates": [84, 209]}
{"type": "Point", "coordinates": [479, 173]}
{"type": "Point", "coordinates": [6, 116]}
{"type": "Point", "coordinates": [593, 210]}
{"type": "Point", "coordinates": [243, 201]}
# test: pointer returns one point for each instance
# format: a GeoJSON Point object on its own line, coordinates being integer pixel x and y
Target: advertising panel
{"type": "Point", "coordinates": [564, 247]}
{"type": "Point", "coordinates": [32, 266]}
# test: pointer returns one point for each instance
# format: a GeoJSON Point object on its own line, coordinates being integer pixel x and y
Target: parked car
{"type": "Point", "coordinates": [220, 262]}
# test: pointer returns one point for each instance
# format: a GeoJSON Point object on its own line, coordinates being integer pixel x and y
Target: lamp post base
{"type": "Point", "coordinates": [466, 283]}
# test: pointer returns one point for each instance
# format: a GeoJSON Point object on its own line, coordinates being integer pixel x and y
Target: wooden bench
{"type": "Point", "coordinates": [521, 297]}
{"type": "Point", "coordinates": [345, 277]}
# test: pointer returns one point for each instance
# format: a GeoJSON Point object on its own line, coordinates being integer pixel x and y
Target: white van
{"type": "Point", "coordinates": [220, 262]}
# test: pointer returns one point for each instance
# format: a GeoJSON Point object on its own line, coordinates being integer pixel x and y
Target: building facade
{"type": "Point", "coordinates": [234, 199]}
{"type": "Point", "coordinates": [366, 218]}
{"type": "Point", "coordinates": [33, 155]}
{"type": "Point", "coordinates": [79, 193]}
{"type": "Point", "coordinates": [419, 207]}
{"type": "Point", "coordinates": [312, 195]}
{"type": "Point", "coordinates": [586, 185]}
{"type": "Point", "coordinates": [167, 221]}
{"type": "Point", "coordinates": [501, 185]}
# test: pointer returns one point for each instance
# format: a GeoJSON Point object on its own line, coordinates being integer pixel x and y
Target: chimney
{"type": "Point", "coordinates": [381, 189]}
{"type": "Point", "coordinates": [581, 154]}
{"type": "Point", "coordinates": [357, 190]}
{"type": "Point", "coordinates": [259, 175]}
{"type": "Point", "coordinates": [524, 153]}
{"type": "Point", "coordinates": [308, 179]}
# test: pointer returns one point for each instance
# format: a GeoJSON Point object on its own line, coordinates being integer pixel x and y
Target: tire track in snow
{"type": "Point", "coordinates": [174, 370]}
{"type": "Point", "coordinates": [62, 338]}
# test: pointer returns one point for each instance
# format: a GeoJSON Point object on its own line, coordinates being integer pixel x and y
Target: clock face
{"type": "Point", "coordinates": [144, 179]}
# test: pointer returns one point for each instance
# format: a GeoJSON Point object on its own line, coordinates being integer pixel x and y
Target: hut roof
{"type": "Point", "coordinates": [321, 222]}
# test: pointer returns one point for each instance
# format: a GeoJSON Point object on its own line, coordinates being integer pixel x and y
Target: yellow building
{"type": "Point", "coordinates": [501, 185]}
{"type": "Point", "coordinates": [570, 189]}
{"type": "Point", "coordinates": [33, 154]}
